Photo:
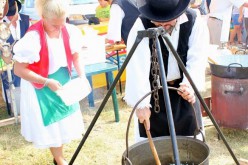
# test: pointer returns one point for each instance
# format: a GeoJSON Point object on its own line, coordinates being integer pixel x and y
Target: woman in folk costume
{"type": "Point", "coordinates": [43, 59]}
{"type": "Point", "coordinates": [189, 36]}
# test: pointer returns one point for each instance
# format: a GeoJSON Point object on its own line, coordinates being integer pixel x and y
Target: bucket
{"type": "Point", "coordinates": [191, 151]}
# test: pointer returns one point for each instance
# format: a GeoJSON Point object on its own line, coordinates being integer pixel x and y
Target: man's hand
{"type": "Point", "coordinates": [187, 93]}
{"type": "Point", "coordinates": [144, 114]}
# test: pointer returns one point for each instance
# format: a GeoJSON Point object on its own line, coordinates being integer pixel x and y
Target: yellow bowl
{"type": "Point", "coordinates": [102, 29]}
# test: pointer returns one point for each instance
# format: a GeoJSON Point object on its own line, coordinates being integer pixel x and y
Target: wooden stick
{"type": "Point", "coordinates": [154, 151]}
{"type": "Point", "coordinates": [212, 61]}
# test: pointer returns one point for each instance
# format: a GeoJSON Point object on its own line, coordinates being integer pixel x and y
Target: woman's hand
{"type": "Point", "coordinates": [187, 93]}
{"type": "Point", "coordinates": [240, 19]}
{"type": "Point", "coordinates": [54, 85]}
{"type": "Point", "coordinates": [144, 114]}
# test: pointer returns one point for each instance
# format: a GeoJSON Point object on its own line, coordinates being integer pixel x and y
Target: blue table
{"type": "Point", "coordinates": [98, 68]}
{"type": "Point", "coordinates": [116, 60]}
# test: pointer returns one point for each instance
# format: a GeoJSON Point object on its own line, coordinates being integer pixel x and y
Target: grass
{"type": "Point", "coordinates": [106, 142]}
{"type": "Point", "coordinates": [3, 111]}
{"type": "Point", "coordinates": [237, 140]}
{"type": "Point", "coordinates": [104, 145]}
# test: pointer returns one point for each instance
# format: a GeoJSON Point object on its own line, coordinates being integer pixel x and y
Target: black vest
{"type": "Point", "coordinates": [184, 34]}
{"type": "Point", "coordinates": [131, 14]}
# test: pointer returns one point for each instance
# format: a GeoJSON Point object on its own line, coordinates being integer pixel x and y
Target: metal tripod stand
{"type": "Point", "coordinates": [154, 33]}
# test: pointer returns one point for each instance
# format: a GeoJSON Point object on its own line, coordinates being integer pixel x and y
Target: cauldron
{"type": "Point", "coordinates": [230, 66]}
{"type": "Point", "coordinates": [191, 151]}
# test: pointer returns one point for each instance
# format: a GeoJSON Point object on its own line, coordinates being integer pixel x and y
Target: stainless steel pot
{"type": "Point", "coordinates": [230, 66]}
{"type": "Point", "coordinates": [191, 151]}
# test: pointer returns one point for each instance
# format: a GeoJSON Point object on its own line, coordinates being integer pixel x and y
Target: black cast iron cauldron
{"type": "Point", "coordinates": [230, 66]}
{"type": "Point", "coordinates": [191, 151]}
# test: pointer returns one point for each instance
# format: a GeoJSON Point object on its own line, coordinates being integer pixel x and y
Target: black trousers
{"type": "Point", "coordinates": [183, 115]}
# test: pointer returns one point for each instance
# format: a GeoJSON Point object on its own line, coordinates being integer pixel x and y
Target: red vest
{"type": "Point", "coordinates": [41, 67]}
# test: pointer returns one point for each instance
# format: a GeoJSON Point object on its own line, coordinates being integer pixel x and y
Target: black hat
{"type": "Point", "coordinates": [12, 7]}
{"type": "Point", "coordinates": [162, 10]}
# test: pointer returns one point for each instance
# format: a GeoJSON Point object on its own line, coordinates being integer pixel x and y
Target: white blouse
{"type": "Point", "coordinates": [27, 49]}
{"type": "Point", "coordinates": [138, 69]}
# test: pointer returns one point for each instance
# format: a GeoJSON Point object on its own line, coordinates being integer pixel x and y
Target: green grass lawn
{"type": "Point", "coordinates": [3, 112]}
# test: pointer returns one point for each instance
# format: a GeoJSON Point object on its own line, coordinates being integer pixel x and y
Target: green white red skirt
{"type": "Point", "coordinates": [47, 122]}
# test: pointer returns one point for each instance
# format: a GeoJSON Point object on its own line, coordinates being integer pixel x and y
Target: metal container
{"type": "Point", "coordinates": [191, 151]}
{"type": "Point", "coordinates": [230, 102]}
{"type": "Point", "coordinates": [230, 66]}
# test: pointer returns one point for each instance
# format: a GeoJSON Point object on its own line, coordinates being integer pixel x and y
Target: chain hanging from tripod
{"type": "Point", "coordinates": [155, 74]}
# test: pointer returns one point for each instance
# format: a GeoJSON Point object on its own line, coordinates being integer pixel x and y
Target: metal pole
{"type": "Point", "coordinates": [167, 104]}
{"type": "Point", "coordinates": [150, 33]}
{"type": "Point", "coordinates": [137, 41]}
{"type": "Point", "coordinates": [181, 65]}
{"type": "Point", "coordinates": [11, 91]}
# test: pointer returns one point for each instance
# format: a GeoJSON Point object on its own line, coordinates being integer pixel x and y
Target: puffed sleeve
{"type": "Point", "coordinates": [76, 38]}
{"type": "Point", "coordinates": [27, 49]}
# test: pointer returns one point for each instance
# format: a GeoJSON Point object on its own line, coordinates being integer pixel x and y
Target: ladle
{"type": "Point", "coordinates": [152, 146]}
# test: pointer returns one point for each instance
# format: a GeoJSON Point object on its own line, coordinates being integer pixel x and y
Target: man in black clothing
{"type": "Point", "coordinates": [189, 36]}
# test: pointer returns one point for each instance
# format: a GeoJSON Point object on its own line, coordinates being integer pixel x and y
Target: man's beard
{"type": "Point", "coordinates": [170, 29]}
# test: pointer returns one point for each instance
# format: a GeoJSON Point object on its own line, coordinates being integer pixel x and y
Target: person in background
{"type": "Point", "coordinates": [204, 7]}
{"type": "Point", "coordinates": [190, 37]}
{"type": "Point", "coordinates": [4, 7]}
{"type": "Point", "coordinates": [237, 26]}
{"type": "Point", "coordinates": [43, 59]}
{"type": "Point", "coordinates": [220, 18]}
{"type": "Point", "coordinates": [208, 3]}
{"type": "Point", "coordinates": [19, 24]}
{"type": "Point", "coordinates": [103, 10]}
{"type": "Point", "coordinates": [201, 5]}
{"type": "Point", "coordinates": [243, 17]}
{"type": "Point", "coordinates": [123, 14]}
